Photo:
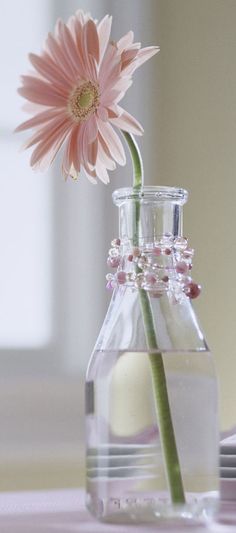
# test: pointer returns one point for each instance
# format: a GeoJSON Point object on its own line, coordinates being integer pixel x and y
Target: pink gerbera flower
{"type": "Point", "coordinates": [79, 79]}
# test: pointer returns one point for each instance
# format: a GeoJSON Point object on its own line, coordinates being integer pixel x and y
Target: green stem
{"type": "Point", "coordinates": [167, 434]}
{"type": "Point", "coordinates": [136, 160]}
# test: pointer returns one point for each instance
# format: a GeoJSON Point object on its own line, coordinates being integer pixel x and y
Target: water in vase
{"type": "Point", "coordinates": [126, 477]}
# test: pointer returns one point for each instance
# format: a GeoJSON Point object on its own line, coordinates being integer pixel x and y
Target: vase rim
{"type": "Point", "coordinates": [154, 193]}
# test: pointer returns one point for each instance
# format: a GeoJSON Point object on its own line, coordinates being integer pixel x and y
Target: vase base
{"type": "Point", "coordinates": [148, 510]}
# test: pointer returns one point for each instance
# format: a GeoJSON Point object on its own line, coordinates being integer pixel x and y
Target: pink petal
{"type": "Point", "coordinates": [143, 55]}
{"type": "Point", "coordinates": [102, 173]}
{"type": "Point", "coordinates": [109, 97]}
{"type": "Point", "coordinates": [92, 128]}
{"type": "Point", "coordinates": [45, 116]}
{"type": "Point", "coordinates": [110, 59]}
{"type": "Point", "coordinates": [92, 41]}
{"type": "Point", "coordinates": [54, 142]}
{"type": "Point", "coordinates": [92, 152]}
{"type": "Point", "coordinates": [47, 159]}
{"type": "Point", "coordinates": [90, 173]}
{"type": "Point", "coordinates": [47, 68]}
{"type": "Point", "coordinates": [72, 156]}
{"type": "Point", "coordinates": [128, 123]}
{"type": "Point", "coordinates": [110, 76]}
{"type": "Point", "coordinates": [129, 55]}
{"type": "Point", "coordinates": [71, 26]}
{"type": "Point", "coordinates": [72, 173]}
{"type": "Point", "coordinates": [104, 30]}
{"type": "Point", "coordinates": [81, 16]}
{"type": "Point", "coordinates": [134, 46]}
{"type": "Point", "coordinates": [77, 154]}
{"type": "Point", "coordinates": [90, 64]}
{"type": "Point", "coordinates": [85, 148]}
{"type": "Point", "coordinates": [51, 128]}
{"type": "Point", "coordinates": [33, 109]}
{"type": "Point", "coordinates": [103, 154]}
{"type": "Point", "coordinates": [79, 43]}
{"type": "Point", "coordinates": [126, 40]}
{"type": "Point", "coordinates": [146, 53]}
{"type": "Point", "coordinates": [71, 51]}
{"type": "Point", "coordinates": [59, 57]}
{"type": "Point", "coordinates": [41, 92]}
{"type": "Point", "coordinates": [114, 111]}
{"type": "Point", "coordinates": [112, 140]}
{"type": "Point", "coordinates": [123, 84]}
{"type": "Point", "coordinates": [91, 68]}
{"type": "Point", "coordinates": [102, 113]}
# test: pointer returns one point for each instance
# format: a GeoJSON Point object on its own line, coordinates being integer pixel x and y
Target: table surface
{"type": "Point", "coordinates": [63, 511]}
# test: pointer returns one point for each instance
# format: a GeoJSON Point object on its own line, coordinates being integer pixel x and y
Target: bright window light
{"type": "Point", "coordinates": [25, 197]}
{"type": "Point", "coordinates": [27, 23]}
{"type": "Point", "coordinates": [25, 243]}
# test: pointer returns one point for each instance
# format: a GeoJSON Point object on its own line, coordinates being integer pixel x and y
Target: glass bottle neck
{"type": "Point", "coordinates": [148, 215]}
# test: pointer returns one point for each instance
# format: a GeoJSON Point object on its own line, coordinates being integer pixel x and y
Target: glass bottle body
{"type": "Point", "coordinates": [127, 477]}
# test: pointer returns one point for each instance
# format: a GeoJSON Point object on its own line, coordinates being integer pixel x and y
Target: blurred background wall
{"type": "Point", "coordinates": [54, 236]}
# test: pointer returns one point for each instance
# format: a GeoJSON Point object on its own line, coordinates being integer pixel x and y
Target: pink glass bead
{"type": "Point", "coordinates": [156, 294]}
{"type": "Point", "coordinates": [150, 279]}
{"type": "Point", "coordinates": [136, 252]}
{"type": "Point", "coordinates": [121, 277]}
{"type": "Point", "coordinates": [192, 290]}
{"type": "Point", "coordinates": [188, 253]}
{"type": "Point", "coordinates": [113, 252]}
{"type": "Point", "coordinates": [181, 267]}
{"type": "Point", "coordinates": [158, 290]}
{"type": "Point", "coordinates": [180, 243]}
{"type": "Point", "coordinates": [113, 262]}
{"type": "Point", "coordinates": [115, 242]}
{"type": "Point", "coordinates": [142, 261]}
{"type": "Point", "coordinates": [157, 250]}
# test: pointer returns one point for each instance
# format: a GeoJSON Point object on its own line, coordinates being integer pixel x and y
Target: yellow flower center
{"type": "Point", "coordinates": [83, 101]}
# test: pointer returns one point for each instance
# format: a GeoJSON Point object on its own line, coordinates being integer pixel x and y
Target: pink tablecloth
{"type": "Point", "coordinates": [63, 511]}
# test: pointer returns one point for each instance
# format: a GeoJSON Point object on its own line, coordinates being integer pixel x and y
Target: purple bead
{"type": "Point", "coordinates": [121, 277]}
{"type": "Point", "coordinates": [110, 285]}
{"type": "Point", "coordinates": [165, 279]}
{"type": "Point", "coordinates": [130, 258]}
{"type": "Point", "coordinates": [167, 251]}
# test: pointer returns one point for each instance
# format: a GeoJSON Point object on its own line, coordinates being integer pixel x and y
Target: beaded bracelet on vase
{"type": "Point", "coordinates": [160, 267]}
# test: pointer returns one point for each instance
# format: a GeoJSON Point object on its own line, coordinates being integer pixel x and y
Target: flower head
{"type": "Point", "coordinates": [79, 79]}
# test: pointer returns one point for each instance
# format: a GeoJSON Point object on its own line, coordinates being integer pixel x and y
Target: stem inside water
{"type": "Point", "coordinates": [167, 435]}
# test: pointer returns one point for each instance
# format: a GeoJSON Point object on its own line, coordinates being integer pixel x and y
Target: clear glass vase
{"type": "Point", "coordinates": [151, 412]}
